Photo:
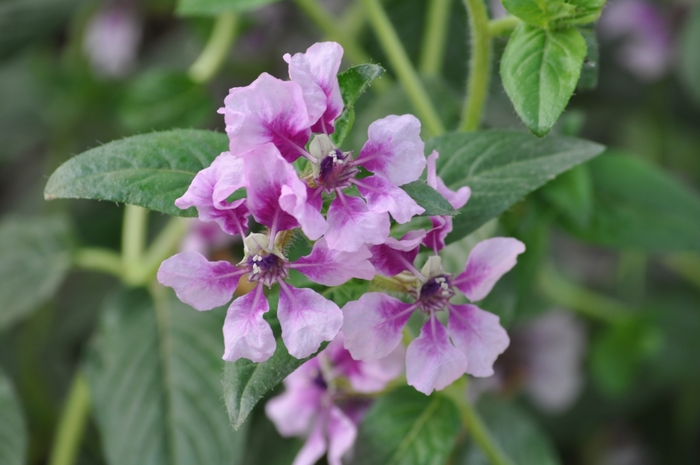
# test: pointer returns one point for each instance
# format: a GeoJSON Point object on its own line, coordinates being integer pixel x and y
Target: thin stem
{"type": "Point", "coordinates": [133, 242]}
{"type": "Point", "coordinates": [162, 247]}
{"type": "Point", "coordinates": [479, 65]}
{"type": "Point", "coordinates": [457, 393]}
{"type": "Point", "coordinates": [503, 26]}
{"type": "Point", "coordinates": [353, 20]}
{"type": "Point", "coordinates": [99, 259]}
{"type": "Point", "coordinates": [407, 75]}
{"type": "Point", "coordinates": [72, 424]}
{"type": "Point", "coordinates": [214, 53]}
{"type": "Point", "coordinates": [434, 37]}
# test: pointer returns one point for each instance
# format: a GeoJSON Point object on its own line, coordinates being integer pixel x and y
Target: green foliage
{"type": "Point", "coordinates": [353, 83]}
{"type": "Point", "coordinates": [35, 258]}
{"type": "Point", "coordinates": [539, 70]}
{"type": "Point", "coordinates": [148, 170]}
{"type": "Point", "coordinates": [428, 198]}
{"type": "Point", "coordinates": [555, 13]}
{"type": "Point", "coordinates": [408, 428]}
{"type": "Point", "coordinates": [216, 7]}
{"type": "Point", "coordinates": [690, 58]}
{"type": "Point", "coordinates": [502, 167]}
{"type": "Point", "coordinates": [13, 430]}
{"type": "Point", "coordinates": [591, 65]}
{"type": "Point", "coordinates": [572, 194]}
{"type": "Point", "coordinates": [154, 379]}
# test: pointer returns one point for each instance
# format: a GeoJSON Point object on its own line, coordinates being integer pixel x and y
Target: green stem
{"type": "Point", "coordinates": [435, 37]}
{"type": "Point", "coordinates": [99, 259]}
{"type": "Point", "coordinates": [685, 265]}
{"type": "Point", "coordinates": [479, 65]}
{"type": "Point", "coordinates": [407, 75]}
{"type": "Point", "coordinates": [162, 247]}
{"type": "Point", "coordinates": [457, 393]}
{"type": "Point", "coordinates": [72, 424]}
{"type": "Point", "coordinates": [133, 242]}
{"type": "Point", "coordinates": [353, 20]}
{"type": "Point", "coordinates": [503, 26]}
{"type": "Point", "coordinates": [214, 53]}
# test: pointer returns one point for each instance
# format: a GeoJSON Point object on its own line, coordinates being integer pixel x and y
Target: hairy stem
{"type": "Point", "coordinates": [503, 26]}
{"type": "Point", "coordinates": [164, 245]}
{"type": "Point", "coordinates": [214, 53]}
{"type": "Point", "coordinates": [434, 37]}
{"type": "Point", "coordinates": [99, 259]}
{"type": "Point", "coordinates": [479, 65]}
{"type": "Point", "coordinates": [72, 423]}
{"type": "Point", "coordinates": [133, 242]}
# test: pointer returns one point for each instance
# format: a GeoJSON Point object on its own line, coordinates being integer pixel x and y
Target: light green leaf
{"type": "Point", "coordinates": [13, 429]}
{"type": "Point", "coordinates": [154, 380]}
{"type": "Point", "coordinates": [540, 69]}
{"type": "Point", "coordinates": [690, 58]}
{"type": "Point", "coordinates": [216, 7]}
{"type": "Point", "coordinates": [428, 198]}
{"type": "Point", "coordinates": [353, 83]}
{"type": "Point", "coordinates": [406, 427]}
{"type": "Point", "coordinates": [35, 258]}
{"type": "Point", "coordinates": [502, 167]}
{"type": "Point", "coordinates": [552, 14]}
{"type": "Point", "coordinates": [148, 170]}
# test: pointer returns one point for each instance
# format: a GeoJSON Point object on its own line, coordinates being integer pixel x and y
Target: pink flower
{"type": "Point", "coordinates": [473, 338]}
{"type": "Point", "coordinates": [316, 405]}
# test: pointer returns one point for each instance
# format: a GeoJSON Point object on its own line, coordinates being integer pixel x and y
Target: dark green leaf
{"type": "Point", "coordinates": [149, 170]}
{"type": "Point", "coordinates": [540, 69]}
{"type": "Point", "coordinates": [35, 259]}
{"type": "Point", "coordinates": [406, 427]}
{"type": "Point", "coordinates": [262, 434]}
{"type": "Point", "coordinates": [353, 83]}
{"type": "Point", "coordinates": [589, 70]}
{"type": "Point", "coordinates": [572, 194]}
{"type": "Point", "coordinates": [351, 290]}
{"type": "Point", "coordinates": [501, 167]}
{"type": "Point", "coordinates": [636, 205]}
{"type": "Point", "coordinates": [154, 380]}
{"type": "Point", "coordinates": [690, 58]}
{"type": "Point", "coordinates": [428, 198]}
{"type": "Point", "coordinates": [13, 430]}
{"type": "Point", "coordinates": [216, 7]}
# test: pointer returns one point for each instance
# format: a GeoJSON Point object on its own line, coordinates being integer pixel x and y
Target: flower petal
{"type": "Point", "coordinates": [394, 256]}
{"type": "Point", "coordinates": [435, 238]}
{"type": "Point", "coordinates": [246, 333]}
{"type": "Point", "coordinates": [372, 325]}
{"type": "Point", "coordinates": [374, 375]}
{"type": "Point", "coordinates": [479, 335]}
{"type": "Point", "coordinates": [394, 149]}
{"type": "Point", "coordinates": [384, 196]}
{"type": "Point", "coordinates": [294, 410]}
{"type": "Point", "coordinates": [334, 267]}
{"type": "Point", "coordinates": [458, 198]}
{"type": "Point", "coordinates": [307, 319]}
{"type": "Point", "coordinates": [295, 200]}
{"type": "Point", "coordinates": [487, 262]}
{"type": "Point", "coordinates": [341, 435]}
{"type": "Point", "coordinates": [268, 110]}
{"type": "Point", "coordinates": [197, 281]}
{"type": "Point", "coordinates": [431, 361]}
{"type": "Point", "coordinates": [315, 445]}
{"type": "Point", "coordinates": [351, 224]}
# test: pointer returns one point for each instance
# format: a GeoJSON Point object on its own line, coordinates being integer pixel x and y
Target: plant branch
{"type": "Point", "coordinates": [99, 259]}
{"type": "Point", "coordinates": [434, 37]}
{"type": "Point", "coordinates": [503, 26]}
{"type": "Point", "coordinates": [214, 53]}
{"type": "Point", "coordinates": [162, 247]}
{"type": "Point", "coordinates": [479, 65]}
{"type": "Point", "coordinates": [133, 242]}
{"type": "Point", "coordinates": [72, 424]}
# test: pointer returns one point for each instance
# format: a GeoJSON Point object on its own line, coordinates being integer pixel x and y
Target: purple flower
{"type": "Point", "coordinates": [316, 405]}
{"type": "Point", "coordinates": [473, 338]}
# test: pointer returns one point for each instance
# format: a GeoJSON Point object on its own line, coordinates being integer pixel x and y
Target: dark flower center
{"type": "Point", "coordinates": [267, 268]}
{"type": "Point", "coordinates": [336, 170]}
{"type": "Point", "coordinates": [435, 293]}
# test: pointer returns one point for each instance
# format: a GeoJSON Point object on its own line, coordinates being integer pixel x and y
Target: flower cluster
{"type": "Point", "coordinates": [295, 180]}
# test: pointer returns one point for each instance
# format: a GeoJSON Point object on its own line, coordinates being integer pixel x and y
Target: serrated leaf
{"type": "Point", "coordinates": [246, 382]}
{"type": "Point", "coordinates": [690, 59]}
{"type": "Point", "coordinates": [406, 427]}
{"type": "Point", "coordinates": [148, 170]}
{"type": "Point", "coordinates": [430, 199]}
{"type": "Point", "coordinates": [154, 382]}
{"type": "Point", "coordinates": [13, 428]}
{"type": "Point", "coordinates": [35, 258]}
{"type": "Point", "coordinates": [501, 167]}
{"type": "Point", "coordinates": [217, 7]}
{"type": "Point", "coordinates": [539, 70]}
{"type": "Point", "coordinates": [353, 82]}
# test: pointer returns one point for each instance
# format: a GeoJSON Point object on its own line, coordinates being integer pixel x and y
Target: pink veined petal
{"type": "Point", "coordinates": [394, 149]}
{"type": "Point", "coordinates": [432, 363]}
{"type": "Point", "coordinates": [394, 256]}
{"type": "Point", "coordinates": [487, 262]}
{"type": "Point", "coordinates": [315, 445]}
{"type": "Point", "coordinates": [316, 72]}
{"type": "Point", "coordinates": [435, 238]}
{"type": "Point", "coordinates": [294, 200]}
{"type": "Point", "coordinates": [458, 198]}
{"type": "Point", "coordinates": [334, 267]}
{"type": "Point", "coordinates": [293, 411]}
{"type": "Point", "coordinates": [268, 110]}
{"type": "Point", "coordinates": [351, 224]}
{"type": "Point", "coordinates": [246, 333]}
{"type": "Point", "coordinates": [384, 196]}
{"type": "Point", "coordinates": [197, 281]}
{"type": "Point", "coordinates": [479, 335]}
{"type": "Point", "coordinates": [341, 435]}
{"type": "Point", "coordinates": [307, 319]}
{"type": "Point", "coordinates": [372, 325]}
{"type": "Point", "coordinates": [374, 375]}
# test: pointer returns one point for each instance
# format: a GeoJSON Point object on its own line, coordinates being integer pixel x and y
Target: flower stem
{"type": "Point", "coordinates": [503, 26]}
{"type": "Point", "coordinates": [407, 75]}
{"type": "Point", "coordinates": [99, 259]}
{"type": "Point", "coordinates": [479, 66]}
{"type": "Point", "coordinates": [214, 53]}
{"type": "Point", "coordinates": [457, 393]}
{"type": "Point", "coordinates": [133, 242]}
{"type": "Point", "coordinates": [72, 424]}
{"type": "Point", "coordinates": [435, 37]}
{"type": "Point", "coordinates": [162, 247]}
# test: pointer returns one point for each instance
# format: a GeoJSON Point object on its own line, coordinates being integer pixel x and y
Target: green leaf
{"type": "Point", "coordinates": [163, 99]}
{"type": "Point", "coordinates": [591, 64]}
{"type": "Point", "coordinates": [353, 83]}
{"type": "Point", "coordinates": [555, 13]}
{"type": "Point", "coordinates": [406, 427]}
{"type": "Point", "coordinates": [690, 58]}
{"type": "Point", "coordinates": [35, 258]}
{"type": "Point", "coordinates": [13, 429]}
{"type": "Point", "coordinates": [148, 170]}
{"type": "Point", "coordinates": [154, 380]}
{"type": "Point", "coordinates": [517, 433]}
{"type": "Point", "coordinates": [501, 167]}
{"type": "Point", "coordinates": [540, 69]}
{"type": "Point", "coordinates": [636, 205]}
{"type": "Point", "coordinates": [246, 382]}
{"type": "Point", "coordinates": [216, 7]}
{"type": "Point", "coordinates": [572, 194]}
{"type": "Point", "coordinates": [428, 198]}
